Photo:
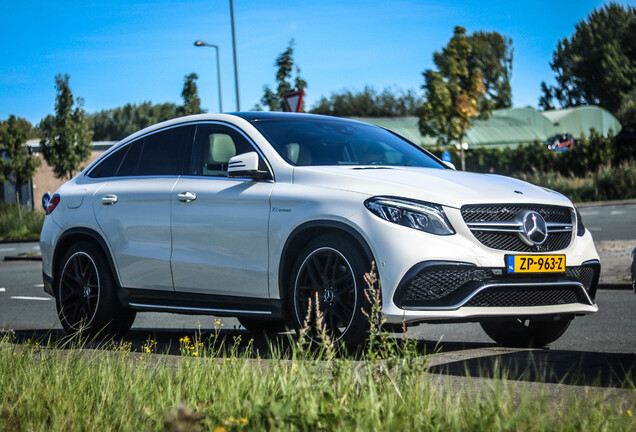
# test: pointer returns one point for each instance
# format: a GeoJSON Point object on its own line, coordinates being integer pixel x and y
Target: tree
{"type": "Point", "coordinates": [597, 64]}
{"type": "Point", "coordinates": [66, 137]}
{"type": "Point", "coordinates": [285, 63]}
{"type": "Point", "coordinates": [368, 103]}
{"type": "Point", "coordinates": [453, 93]}
{"type": "Point", "coordinates": [117, 123]}
{"type": "Point", "coordinates": [16, 164]}
{"type": "Point", "coordinates": [492, 55]}
{"type": "Point", "coordinates": [190, 95]}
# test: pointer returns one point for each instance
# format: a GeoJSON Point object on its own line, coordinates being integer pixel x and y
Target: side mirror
{"type": "Point", "coordinates": [246, 165]}
{"type": "Point", "coordinates": [450, 165]}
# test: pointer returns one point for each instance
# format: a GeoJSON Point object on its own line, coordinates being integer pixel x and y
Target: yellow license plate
{"type": "Point", "coordinates": [535, 263]}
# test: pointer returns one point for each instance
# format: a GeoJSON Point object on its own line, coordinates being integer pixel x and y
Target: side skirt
{"type": "Point", "coordinates": [200, 304]}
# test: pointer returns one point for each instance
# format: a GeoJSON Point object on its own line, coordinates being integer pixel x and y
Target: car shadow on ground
{"type": "Point", "coordinates": [485, 360]}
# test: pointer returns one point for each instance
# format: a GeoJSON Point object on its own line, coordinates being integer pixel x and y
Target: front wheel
{"type": "Point", "coordinates": [526, 333]}
{"type": "Point", "coordinates": [86, 297]}
{"type": "Point", "coordinates": [329, 272]}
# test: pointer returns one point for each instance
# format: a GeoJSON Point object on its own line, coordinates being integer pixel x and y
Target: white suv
{"type": "Point", "coordinates": [256, 215]}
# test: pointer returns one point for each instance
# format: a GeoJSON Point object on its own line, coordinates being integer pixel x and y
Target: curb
{"type": "Point", "coordinates": [605, 203]}
{"type": "Point", "coordinates": [616, 286]}
{"type": "Point", "coordinates": [36, 257]}
{"type": "Point", "coordinates": [32, 240]}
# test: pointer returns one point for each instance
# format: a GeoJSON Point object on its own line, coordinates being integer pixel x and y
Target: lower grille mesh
{"type": "Point", "coordinates": [516, 297]}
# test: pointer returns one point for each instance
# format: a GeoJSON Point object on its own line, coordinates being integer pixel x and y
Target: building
{"type": "Point", "coordinates": [512, 127]}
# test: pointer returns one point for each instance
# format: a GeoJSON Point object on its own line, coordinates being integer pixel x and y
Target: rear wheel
{"type": "Point", "coordinates": [535, 332]}
{"type": "Point", "coordinates": [330, 271]}
{"type": "Point", "coordinates": [86, 297]}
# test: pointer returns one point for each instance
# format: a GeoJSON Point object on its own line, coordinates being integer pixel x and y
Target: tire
{"type": "Point", "coordinates": [331, 269]}
{"type": "Point", "coordinates": [535, 332]}
{"type": "Point", "coordinates": [86, 294]}
{"type": "Point", "coordinates": [259, 326]}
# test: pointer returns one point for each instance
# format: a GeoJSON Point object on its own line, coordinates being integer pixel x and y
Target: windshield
{"type": "Point", "coordinates": [310, 142]}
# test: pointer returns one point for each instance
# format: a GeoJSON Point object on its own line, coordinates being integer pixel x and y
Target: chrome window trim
{"type": "Point", "coordinates": [122, 144]}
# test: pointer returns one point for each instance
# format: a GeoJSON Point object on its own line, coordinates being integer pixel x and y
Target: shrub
{"type": "Point", "coordinates": [11, 227]}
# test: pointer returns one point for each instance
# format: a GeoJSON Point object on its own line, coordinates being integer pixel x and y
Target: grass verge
{"type": "Point", "coordinates": [225, 386]}
{"type": "Point", "coordinates": [11, 227]}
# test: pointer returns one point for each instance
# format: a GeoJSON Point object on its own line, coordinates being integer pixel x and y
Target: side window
{"type": "Point", "coordinates": [214, 145]}
{"type": "Point", "coordinates": [166, 152]}
{"type": "Point", "coordinates": [109, 166]}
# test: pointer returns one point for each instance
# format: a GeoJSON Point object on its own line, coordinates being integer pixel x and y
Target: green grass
{"type": "Point", "coordinates": [224, 386]}
{"type": "Point", "coordinates": [12, 228]}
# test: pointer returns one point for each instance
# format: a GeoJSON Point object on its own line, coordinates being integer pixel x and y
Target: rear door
{"type": "Point", "coordinates": [220, 224]}
{"type": "Point", "coordinates": [133, 207]}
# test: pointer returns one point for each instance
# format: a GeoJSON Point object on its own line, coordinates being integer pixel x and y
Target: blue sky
{"type": "Point", "coordinates": [134, 51]}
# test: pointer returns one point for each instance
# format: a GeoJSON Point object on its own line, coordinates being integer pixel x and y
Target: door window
{"type": "Point", "coordinates": [214, 145]}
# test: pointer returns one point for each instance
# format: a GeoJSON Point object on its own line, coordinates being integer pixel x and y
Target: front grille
{"type": "Point", "coordinates": [440, 284]}
{"type": "Point", "coordinates": [510, 241]}
{"type": "Point", "coordinates": [506, 213]}
{"type": "Point", "coordinates": [526, 296]}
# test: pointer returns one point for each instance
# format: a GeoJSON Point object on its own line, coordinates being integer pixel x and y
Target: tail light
{"type": "Point", "coordinates": [53, 202]}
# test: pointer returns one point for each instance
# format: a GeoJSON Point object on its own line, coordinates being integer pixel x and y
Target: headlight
{"type": "Point", "coordinates": [580, 228]}
{"type": "Point", "coordinates": [421, 216]}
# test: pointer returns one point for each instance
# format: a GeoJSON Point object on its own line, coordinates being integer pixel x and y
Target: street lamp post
{"type": "Point", "coordinates": [200, 43]}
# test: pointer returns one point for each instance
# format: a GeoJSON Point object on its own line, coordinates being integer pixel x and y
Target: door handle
{"type": "Point", "coordinates": [109, 199]}
{"type": "Point", "coordinates": [187, 196]}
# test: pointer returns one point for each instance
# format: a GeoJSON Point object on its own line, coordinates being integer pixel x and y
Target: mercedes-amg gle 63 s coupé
{"type": "Point", "coordinates": [262, 216]}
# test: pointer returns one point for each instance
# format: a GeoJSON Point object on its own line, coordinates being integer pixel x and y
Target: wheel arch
{"type": "Point", "coordinates": [75, 235]}
{"type": "Point", "coordinates": [305, 232]}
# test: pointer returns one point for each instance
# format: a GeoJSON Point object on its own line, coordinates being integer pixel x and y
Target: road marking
{"type": "Point", "coordinates": [3, 290]}
{"type": "Point", "coordinates": [617, 212]}
{"type": "Point", "coordinates": [30, 298]}
{"type": "Point", "coordinates": [594, 229]}
{"type": "Point", "coordinates": [36, 247]}
{"type": "Point", "coordinates": [7, 249]}
{"type": "Point", "coordinates": [39, 285]}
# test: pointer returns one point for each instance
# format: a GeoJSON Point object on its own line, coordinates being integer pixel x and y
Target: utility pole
{"type": "Point", "coordinates": [238, 102]}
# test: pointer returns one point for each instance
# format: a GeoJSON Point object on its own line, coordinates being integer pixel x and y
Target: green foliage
{"type": "Point", "coordinates": [18, 224]}
{"type": "Point", "coordinates": [597, 64]}
{"type": "Point", "coordinates": [285, 64]}
{"type": "Point", "coordinates": [116, 124]}
{"type": "Point", "coordinates": [17, 166]}
{"type": "Point", "coordinates": [190, 95]}
{"type": "Point", "coordinates": [492, 55]}
{"type": "Point", "coordinates": [66, 137]}
{"type": "Point", "coordinates": [69, 386]}
{"type": "Point", "coordinates": [370, 103]}
{"type": "Point", "coordinates": [598, 168]}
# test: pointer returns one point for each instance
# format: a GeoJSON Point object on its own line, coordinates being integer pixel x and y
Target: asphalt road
{"type": "Point", "coordinates": [613, 222]}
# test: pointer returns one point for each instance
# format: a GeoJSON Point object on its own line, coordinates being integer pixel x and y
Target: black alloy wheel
{"type": "Point", "coordinates": [79, 291]}
{"type": "Point", "coordinates": [329, 273]}
{"type": "Point", "coordinates": [86, 294]}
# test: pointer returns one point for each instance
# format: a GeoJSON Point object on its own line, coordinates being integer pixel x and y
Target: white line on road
{"type": "Point", "coordinates": [2, 290]}
{"type": "Point", "coordinates": [30, 298]}
{"type": "Point", "coordinates": [594, 229]}
{"type": "Point", "coordinates": [7, 249]}
{"type": "Point", "coordinates": [617, 212]}
{"type": "Point", "coordinates": [39, 285]}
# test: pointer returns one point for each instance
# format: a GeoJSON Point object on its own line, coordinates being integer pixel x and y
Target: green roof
{"type": "Point", "coordinates": [513, 126]}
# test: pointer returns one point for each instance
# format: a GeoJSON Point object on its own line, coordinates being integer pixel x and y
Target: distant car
{"type": "Point", "coordinates": [561, 143]}
{"type": "Point", "coordinates": [266, 216]}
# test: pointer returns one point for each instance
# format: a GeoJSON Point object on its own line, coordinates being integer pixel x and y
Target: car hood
{"type": "Point", "coordinates": [441, 186]}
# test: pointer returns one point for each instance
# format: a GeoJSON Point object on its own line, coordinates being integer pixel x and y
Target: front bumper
{"type": "Point", "coordinates": [456, 290]}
